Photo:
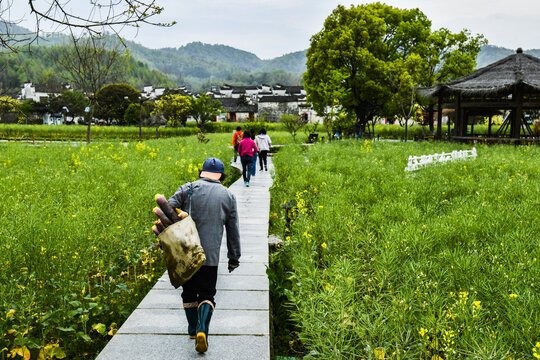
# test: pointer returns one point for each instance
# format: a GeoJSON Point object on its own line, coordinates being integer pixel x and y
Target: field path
{"type": "Point", "coordinates": [239, 329]}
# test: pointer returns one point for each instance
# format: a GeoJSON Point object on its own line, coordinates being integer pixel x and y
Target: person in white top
{"type": "Point", "coordinates": [264, 143]}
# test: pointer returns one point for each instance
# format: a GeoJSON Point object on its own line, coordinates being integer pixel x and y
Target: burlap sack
{"type": "Point", "coordinates": [182, 249]}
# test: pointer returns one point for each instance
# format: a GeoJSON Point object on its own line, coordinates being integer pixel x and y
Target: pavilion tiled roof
{"type": "Point", "coordinates": [498, 78]}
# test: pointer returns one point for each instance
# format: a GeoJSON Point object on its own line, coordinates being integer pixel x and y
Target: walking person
{"type": "Point", "coordinates": [358, 129]}
{"type": "Point", "coordinates": [255, 155]}
{"type": "Point", "coordinates": [247, 149]}
{"type": "Point", "coordinates": [237, 137]}
{"type": "Point", "coordinates": [264, 143]}
{"type": "Point", "coordinates": [212, 207]}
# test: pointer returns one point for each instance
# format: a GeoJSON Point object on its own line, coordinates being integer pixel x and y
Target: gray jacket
{"type": "Point", "coordinates": [212, 207]}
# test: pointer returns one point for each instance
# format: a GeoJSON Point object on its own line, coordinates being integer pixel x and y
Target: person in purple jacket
{"type": "Point", "coordinates": [247, 149]}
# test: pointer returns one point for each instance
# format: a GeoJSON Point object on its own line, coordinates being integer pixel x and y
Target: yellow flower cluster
{"type": "Point", "coordinates": [536, 350]}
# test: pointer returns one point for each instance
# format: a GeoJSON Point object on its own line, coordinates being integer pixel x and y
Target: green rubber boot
{"type": "Point", "coordinates": [191, 315]}
{"type": "Point", "coordinates": [204, 315]}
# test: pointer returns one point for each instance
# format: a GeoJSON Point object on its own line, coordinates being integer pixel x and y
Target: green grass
{"type": "Point", "coordinates": [76, 252]}
{"type": "Point", "coordinates": [439, 263]}
{"type": "Point", "coordinates": [124, 133]}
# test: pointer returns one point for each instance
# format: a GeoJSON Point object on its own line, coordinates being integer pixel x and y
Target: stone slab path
{"type": "Point", "coordinates": [240, 326]}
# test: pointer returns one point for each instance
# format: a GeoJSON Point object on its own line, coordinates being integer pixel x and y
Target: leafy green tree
{"type": "Point", "coordinates": [357, 43]}
{"type": "Point", "coordinates": [114, 99]}
{"type": "Point", "coordinates": [445, 57]}
{"type": "Point", "coordinates": [403, 76]}
{"type": "Point", "coordinates": [293, 123]}
{"type": "Point", "coordinates": [49, 80]}
{"type": "Point", "coordinates": [326, 100]}
{"type": "Point", "coordinates": [73, 100]}
{"type": "Point", "coordinates": [8, 105]}
{"type": "Point", "coordinates": [205, 109]}
{"type": "Point", "coordinates": [175, 108]}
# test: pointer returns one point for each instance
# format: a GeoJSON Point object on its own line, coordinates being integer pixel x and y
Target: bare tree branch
{"type": "Point", "coordinates": [103, 16]}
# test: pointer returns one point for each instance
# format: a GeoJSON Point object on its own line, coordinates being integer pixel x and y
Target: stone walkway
{"type": "Point", "coordinates": [239, 329]}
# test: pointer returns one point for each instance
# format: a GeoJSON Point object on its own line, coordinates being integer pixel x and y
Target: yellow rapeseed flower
{"type": "Point", "coordinates": [323, 245]}
{"type": "Point", "coordinates": [423, 332]}
{"type": "Point", "coordinates": [513, 296]}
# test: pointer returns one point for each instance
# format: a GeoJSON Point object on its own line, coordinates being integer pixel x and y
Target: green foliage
{"type": "Point", "coordinates": [132, 114]}
{"type": "Point", "coordinates": [77, 254]}
{"type": "Point", "coordinates": [205, 109]}
{"type": "Point", "coordinates": [174, 108]}
{"type": "Point", "coordinates": [293, 123]}
{"type": "Point", "coordinates": [368, 59]}
{"type": "Point", "coordinates": [8, 105]}
{"type": "Point", "coordinates": [414, 266]}
{"type": "Point", "coordinates": [75, 101]}
{"type": "Point", "coordinates": [114, 99]}
{"type": "Point", "coordinates": [446, 56]}
{"type": "Point", "coordinates": [37, 67]}
{"type": "Point", "coordinates": [352, 51]}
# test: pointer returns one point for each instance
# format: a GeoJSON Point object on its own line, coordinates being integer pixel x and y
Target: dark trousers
{"type": "Point", "coordinates": [235, 152]}
{"type": "Point", "coordinates": [247, 162]}
{"type": "Point", "coordinates": [263, 158]}
{"type": "Point", "coordinates": [201, 286]}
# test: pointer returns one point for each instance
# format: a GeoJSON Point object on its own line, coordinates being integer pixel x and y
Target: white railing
{"type": "Point", "coordinates": [417, 162]}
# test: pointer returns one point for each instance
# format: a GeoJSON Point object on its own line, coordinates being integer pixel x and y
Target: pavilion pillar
{"type": "Point", "coordinates": [458, 125]}
{"type": "Point", "coordinates": [439, 118]}
{"type": "Point", "coordinates": [489, 126]}
{"type": "Point", "coordinates": [516, 121]}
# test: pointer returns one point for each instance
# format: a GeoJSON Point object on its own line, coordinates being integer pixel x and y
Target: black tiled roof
{"type": "Point", "coordinates": [278, 99]}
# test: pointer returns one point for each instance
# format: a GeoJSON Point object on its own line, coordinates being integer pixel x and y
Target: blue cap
{"type": "Point", "coordinates": [213, 165]}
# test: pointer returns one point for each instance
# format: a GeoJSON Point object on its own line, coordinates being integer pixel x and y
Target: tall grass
{"type": "Point", "coordinates": [76, 251]}
{"type": "Point", "coordinates": [124, 133]}
{"type": "Point", "coordinates": [442, 263]}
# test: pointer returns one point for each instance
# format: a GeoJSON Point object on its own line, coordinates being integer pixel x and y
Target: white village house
{"type": "Point", "coordinates": [264, 101]}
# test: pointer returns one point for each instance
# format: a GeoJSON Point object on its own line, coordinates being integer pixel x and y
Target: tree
{"type": "Point", "coordinates": [356, 44]}
{"type": "Point", "coordinates": [102, 16]}
{"type": "Point", "coordinates": [175, 108]}
{"type": "Point", "coordinates": [293, 123]}
{"type": "Point", "coordinates": [90, 65]}
{"type": "Point", "coordinates": [326, 100]}
{"type": "Point", "coordinates": [205, 109]}
{"type": "Point", "coordinates": [74, 101]}
{"type": "Point", "coordinates": [447, 56]}
{"type": "Point", "coordinates": [403, 77]}
{"type": "Point", "coordinates": [8, 105]}
{"type": "Point", "coordinates": [114, 99]}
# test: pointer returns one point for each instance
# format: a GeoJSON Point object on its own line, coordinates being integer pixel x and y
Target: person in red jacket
{"type": "Point", "coordinates": [237, 137]}
{"type": "Point", "coordinates": [247, 149]}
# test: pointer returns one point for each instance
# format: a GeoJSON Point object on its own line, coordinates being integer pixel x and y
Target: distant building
{"type": "Point", "coordinates": [270, 102]}
{"type": "Point", "coordinates": [29, 92]}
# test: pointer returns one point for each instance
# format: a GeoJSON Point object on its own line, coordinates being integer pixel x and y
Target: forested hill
{"type": "Point", "coordinates": [202, 65]}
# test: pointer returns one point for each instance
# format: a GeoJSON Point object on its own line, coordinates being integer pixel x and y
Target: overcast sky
{"type": "Point", "coordinates": [271, 28]}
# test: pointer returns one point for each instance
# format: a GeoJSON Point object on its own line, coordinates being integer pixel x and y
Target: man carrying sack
{"type": "Point", "coordinates": [212, 207]}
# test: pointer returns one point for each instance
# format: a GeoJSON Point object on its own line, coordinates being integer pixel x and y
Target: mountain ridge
{"type": "Point", "coordinates": [200, 66]}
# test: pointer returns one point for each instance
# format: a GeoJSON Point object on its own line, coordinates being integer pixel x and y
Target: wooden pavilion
{"type": "Point", "coordinates": [510, 86]}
